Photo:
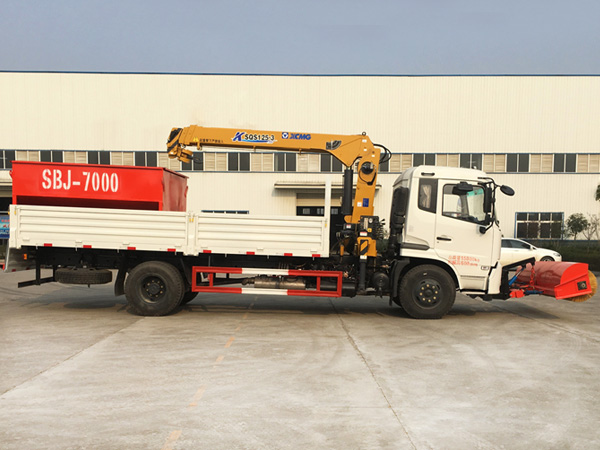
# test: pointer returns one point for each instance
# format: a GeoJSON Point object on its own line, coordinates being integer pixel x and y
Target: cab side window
{"type": "Point", "coordinates": [467, 206]}
{"type": "Point", "coordinates": [427, 195]}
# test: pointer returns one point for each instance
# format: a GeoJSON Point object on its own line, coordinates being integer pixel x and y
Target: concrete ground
{"type": "Point", "coordinates": [77, 371]}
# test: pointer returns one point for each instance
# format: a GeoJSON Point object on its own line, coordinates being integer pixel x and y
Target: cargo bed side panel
{"type": "Point", "coordinates": [167, 231]}
{"type": "Point", "coordinates": [44, 226]}
{"type": "Point", "coordinates": [262, 235]}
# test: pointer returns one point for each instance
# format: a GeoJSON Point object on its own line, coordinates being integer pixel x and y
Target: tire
{"type": "Point", "coordinates": [547, 258]}
{"type": "Point", "coordinates": [427, 292]}
{"type": "Point", "coordinates": [154, 288]}
{"type": "Point", "coordinates": [188, 297]}
{"type": "Point", "coordinates": [83, 276]}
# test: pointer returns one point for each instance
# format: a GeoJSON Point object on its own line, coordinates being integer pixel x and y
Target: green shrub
{"type": "Point", "coordinates": [577, 254]}
{"type": "Point", "coordinates": [574, 251]}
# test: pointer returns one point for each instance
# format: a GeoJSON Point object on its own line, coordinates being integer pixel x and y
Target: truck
{"type": "Point", "coordinates": [443, 236]}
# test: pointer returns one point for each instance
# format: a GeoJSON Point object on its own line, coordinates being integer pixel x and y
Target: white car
{"type": "Point", "coordinates": [514, 250]}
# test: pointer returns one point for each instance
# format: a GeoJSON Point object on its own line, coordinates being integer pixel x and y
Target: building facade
{"type": "Point", "coordinates": [538, 134]}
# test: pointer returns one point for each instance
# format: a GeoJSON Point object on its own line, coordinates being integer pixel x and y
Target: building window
{"type": "Point", "coordinates": [196, 164]}
{"type": "Point", "coordinates": [76, 157]}
{"type": "Point", "coordinates": [420, 159]}
{"type": "Point", "coordinates": [215, 161]}
{"type": "Point", "coordinates": [232, 162]}
{"type": "Point", "coordinates": [261, 162]}
{"type": "Point", "coordinates": [285, 162]}
{"type": "Point", "coordinates": [517, 162]}
{"type": "Point", "coordinates": [146, 159]}
{"type": "Point", "coordinates": [6, 159]}
{"type": "Point", "coordinates": [399, 163]}
{"type": "Point", "coordinates": [447, 160]}
{"type": "Point", "coordinates": [97, 157]}
{"type": "Point", "coordinates": [313, 211]}
{"type": "Point", "coordinates": [244, 162]}
{"type": "Point", "coordinates": [565, 162]}
{"type": "Point", "coordinates": [540, 163]}
{"type": "Point", "coordinates": [27, 155]}
{"type": "Point", "coordinates": [588, 163]}
{"type": "Point", "coordinates": [225, 211]}
{"type": "Point", "coordinates": [494, 163]}
{"type": "Point", "coordinates": [308, 162]}
{"type": "Point", "coordinates": [330, 164]}
{"type": "Point", "coordinates": [123, 158]}
{"type": "Point", "coordinates": [51, 155]}
{"type": "Point", "coordinates": [238, 162]}
{"type": "Point", "coordinates": [470, 160]}
{"type": "Point", "coordinates": [539, 225]}
{"type": "Point", "coordinates": [385, 165]}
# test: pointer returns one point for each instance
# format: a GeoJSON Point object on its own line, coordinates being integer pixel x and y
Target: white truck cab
{"type": "Point", "coordinates": [445, 215]}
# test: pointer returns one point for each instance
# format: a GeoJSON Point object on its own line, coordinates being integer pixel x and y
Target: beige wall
{"type": "Point", "coordinates": [407, 114]}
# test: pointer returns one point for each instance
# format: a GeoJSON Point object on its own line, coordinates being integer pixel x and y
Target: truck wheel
{"type": "Point", "coordinates": [188, 297]}
{"type": "Point", "coordinates": [154, 288]}
{"type": "Point", "coordinates": [427, 292]}
{"type": "Point", "coordinates": [83, 276]}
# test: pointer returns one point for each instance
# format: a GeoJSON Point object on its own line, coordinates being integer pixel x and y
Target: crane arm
{"type": "Point", "coordinates": [346, 148]}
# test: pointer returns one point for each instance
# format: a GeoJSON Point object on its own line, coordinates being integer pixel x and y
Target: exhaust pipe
{"type": "Point", "coordinates": [266, 282]}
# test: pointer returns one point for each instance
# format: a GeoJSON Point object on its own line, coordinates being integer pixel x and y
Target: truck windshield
{"type": "Point", "coordinates": [464, 205]}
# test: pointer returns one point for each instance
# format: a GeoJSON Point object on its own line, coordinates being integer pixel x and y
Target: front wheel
{"type": "Point", "coordinates": [154, 288]}
{"type": "Point", "coordinates": [547, 258]}
{"type": "Point", "coordinates": [427, 292]}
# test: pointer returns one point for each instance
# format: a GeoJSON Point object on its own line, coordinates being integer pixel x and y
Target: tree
{"type": "Point", "coordinates": [576, 223]}
{"type": "Point", "coordinates": [591, 231]}
{"type": "Point", "coordinates": [598, 193]}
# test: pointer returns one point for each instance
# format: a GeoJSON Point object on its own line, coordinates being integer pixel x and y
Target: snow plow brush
{"type": "Point", "coordinates": [561, 280]}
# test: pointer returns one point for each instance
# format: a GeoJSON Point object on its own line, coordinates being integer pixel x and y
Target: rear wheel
{"type": "Point", "coordinates": [427, 292]}
{"type": "Point", "coordinates": [154, 288]}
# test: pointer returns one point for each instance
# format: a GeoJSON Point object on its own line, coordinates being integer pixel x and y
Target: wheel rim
{"type": "Point", "coordinates": [153, 289]}
{"type": "Point", "coordinates": [428, 293]}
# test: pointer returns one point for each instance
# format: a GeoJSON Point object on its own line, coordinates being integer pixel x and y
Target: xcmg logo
{"type": "Point", "coordinates": [298, 136]}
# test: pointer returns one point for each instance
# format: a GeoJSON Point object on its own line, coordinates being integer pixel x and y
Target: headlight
{"type": "Point", "coordinates": [556, 254]}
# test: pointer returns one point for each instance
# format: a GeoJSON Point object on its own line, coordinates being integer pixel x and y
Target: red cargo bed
{"type": "Point", "coordinates": [98, 186]}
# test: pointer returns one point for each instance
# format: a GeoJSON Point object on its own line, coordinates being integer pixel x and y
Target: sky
{"type": "Point", "coordinates": [319, 37]}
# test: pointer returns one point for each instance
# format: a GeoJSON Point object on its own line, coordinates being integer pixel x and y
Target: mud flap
{"type": "Point", "coordinates": [120, 280]}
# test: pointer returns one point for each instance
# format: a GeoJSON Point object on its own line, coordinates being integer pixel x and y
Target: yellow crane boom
{"type": "Point", "coordinates": [346, 148]}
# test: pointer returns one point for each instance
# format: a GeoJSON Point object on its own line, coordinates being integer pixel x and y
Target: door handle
{"type": "Point", "coordinates": [444, 238]}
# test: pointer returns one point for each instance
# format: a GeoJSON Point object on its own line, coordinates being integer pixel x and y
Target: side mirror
{"type": "Point", "coordinates": [507, 190]}
{"type": "Point", "coordinates": [462, 188]}
{"type": "Point", "coordinates": [488, 199]}
{"type": "Point", "coordinates": [487, 222]}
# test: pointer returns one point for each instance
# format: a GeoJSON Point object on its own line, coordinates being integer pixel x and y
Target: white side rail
{"type": "Point", "coordinates": [167, 231]}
